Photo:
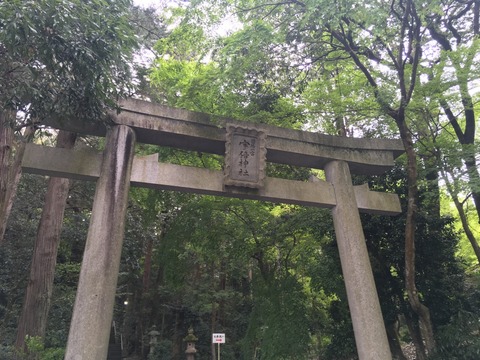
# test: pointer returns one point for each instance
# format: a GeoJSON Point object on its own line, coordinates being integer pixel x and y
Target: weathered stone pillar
{"type": "Point", "coordinates": [370, 335]}
{"type": "Point", "coordinates": [93, 310]}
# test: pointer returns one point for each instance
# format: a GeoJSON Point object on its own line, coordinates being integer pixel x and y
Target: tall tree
{"type": "Point", "coordinates": [389, 61]}
{"type": "Point", "coordinates": [440, 274]}
{"type": "Point", "coordinates": [452, 73]}
{"type": "Point", "coordinates": [455, 31]}
{"type": "Point", "coordinates": [33, 319]}
{"type": "Point", "coordinates": [59, 59]}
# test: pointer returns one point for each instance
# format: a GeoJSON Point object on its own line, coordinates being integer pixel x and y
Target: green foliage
{"type": "Point", "coordinates": [459, 339]}
{"type": "Point", "coordinates": [277, 322]}
{"type": "Point", "coordinates": [7, 352]}
{"type": "Point", "coordinates": [233, 77]}
{"type": "Point", "coordinates": [337, 97]}
{"type": "Point", "coordinates": [162, 351]}
{"type": "Point", "coordinates": [36, 350]}
{"type": "Point", "coordinates": [334, 326]}
{"type": "Point", "coordinates": [34, 344]}
{"type": "Point", "coordinates": [218, 239]}
{"type": "Point", "coordinates": [15, 253]}
{"type": "Point", "coordinates": [64, 57]}
{"type": "Point", "coordinates": [15, 257]}
{"type": "Point", "coordinates": [440, 275]}
{"type": "Point", "coordinates": [186, 83]}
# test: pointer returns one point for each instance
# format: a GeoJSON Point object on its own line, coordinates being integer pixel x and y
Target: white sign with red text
{"type": "Point", "coordinates": [218, 338]}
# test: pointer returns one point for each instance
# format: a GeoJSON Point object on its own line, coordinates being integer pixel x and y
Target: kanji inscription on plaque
{"type": "Point", "coordinates": [245, 157]}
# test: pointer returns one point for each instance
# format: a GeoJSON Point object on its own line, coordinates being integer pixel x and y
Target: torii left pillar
{"type": "Point", "coordinates": [93, 309]}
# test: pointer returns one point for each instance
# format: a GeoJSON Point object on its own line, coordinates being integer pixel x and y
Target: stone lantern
{"type": "Point", "coordinates": [190, 339]}
{"type": "Point", "coordinates": [153, 340]}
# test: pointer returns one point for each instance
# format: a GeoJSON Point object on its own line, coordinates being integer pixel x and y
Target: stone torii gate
{"type": "Point", "coordinates": [246, 147]}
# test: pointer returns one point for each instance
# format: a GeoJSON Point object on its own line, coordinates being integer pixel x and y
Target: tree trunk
{"type": "Point", "coordinates": [465, 136]}
{"type": "Point", "coordinates": [453, 191]}
{"type": "Point", "coordinates": [177, 336]}
{"type": "Point", "coordinates": [6, 144]}
{"type": "Point", "coordinates": [147, 268]}
{"type": "Point", "coordinates": [11, 154]}
{"type": "Point", "coordinates": [409, 47]}
{"type": "Point", "coordinates": [466, 228]}
{"type": "Point", "coordinates": [421, 310]}
{"type": "Point", "coordinates": [473, 177]}
{"type": "Point", "coordinates": [467, 141]}
{"type": "Point", "coordinates": [394, 341]}
{"type": "Point", "coordinates": [396, 294]}
{"type": "Point", "coordinates": [416, 337]}
{"type": "Point", "coordinates": [33, 319]}
{"type": "Point", "coordinates": [213, 329]}
{"type": "Point", "coordinates": [433, 190]}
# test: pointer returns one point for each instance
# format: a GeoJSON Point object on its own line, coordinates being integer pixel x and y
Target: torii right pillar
{"type": "Point", "coordinates": [368, 325]}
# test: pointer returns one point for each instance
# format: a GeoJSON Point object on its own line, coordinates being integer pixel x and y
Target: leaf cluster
{"type": "Point", "coordinates": [63, 58]}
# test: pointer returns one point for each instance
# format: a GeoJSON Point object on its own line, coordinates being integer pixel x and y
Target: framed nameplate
{"type": "Point", "coordinates": [245, 156]}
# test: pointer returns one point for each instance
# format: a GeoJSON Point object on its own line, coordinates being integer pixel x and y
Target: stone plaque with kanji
{"type": "Point", "coordinates": [245, 157]}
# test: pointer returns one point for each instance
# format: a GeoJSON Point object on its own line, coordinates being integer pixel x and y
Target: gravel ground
{"type": "Point", "coordinates": [409, 351]}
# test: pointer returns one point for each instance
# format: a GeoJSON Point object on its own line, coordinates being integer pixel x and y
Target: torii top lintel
{"type": "Point", "coordinates": [188, 130]}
